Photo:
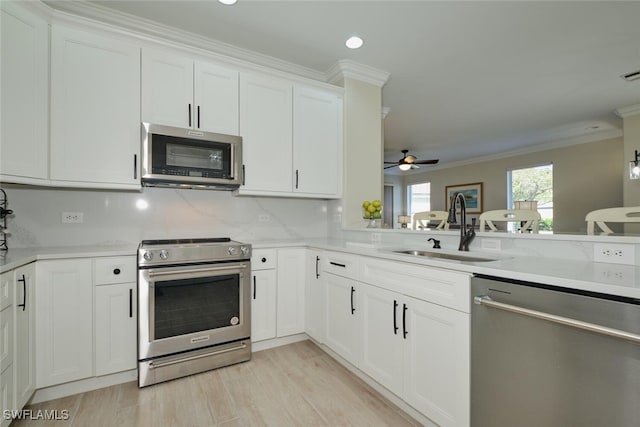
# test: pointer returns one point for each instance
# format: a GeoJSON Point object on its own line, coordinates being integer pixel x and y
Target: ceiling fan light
{"type": "Point", "coordinates": [404, 166]}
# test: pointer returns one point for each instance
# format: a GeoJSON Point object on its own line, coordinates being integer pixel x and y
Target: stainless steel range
{"type": "Point", "coordinates": [194, 307]}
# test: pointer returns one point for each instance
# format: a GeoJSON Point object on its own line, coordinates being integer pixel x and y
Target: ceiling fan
{"type": "Point", "coordinates": [410, 162]}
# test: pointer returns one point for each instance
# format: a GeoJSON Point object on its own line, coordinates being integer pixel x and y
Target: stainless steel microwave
{"type": "Point", "coordinates": [189, 158]}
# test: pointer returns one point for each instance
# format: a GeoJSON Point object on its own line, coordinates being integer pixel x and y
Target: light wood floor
{"type": "Point", "coordinates": [292, 385]}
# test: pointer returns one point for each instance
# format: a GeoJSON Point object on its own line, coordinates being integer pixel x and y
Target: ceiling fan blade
{"type": "Point", "coordinates": [392, 166]}
{"type": "Point", "coordinates": [392, 163]}
{"type": "Point", "coordinates": [426, 162]}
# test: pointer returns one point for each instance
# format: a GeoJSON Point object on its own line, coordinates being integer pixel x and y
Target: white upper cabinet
{"type": "Point", "coordinates": [24, 93]}
{"type": "Point", "coordinates": [266, 108]}
{"type": "Point", "coordinates": [216, 99]}
{"type": "Point", "coordinates": [178, 91]}
{"type": "Point", "coordinates": [292, 139]}
{"type": "Point", "coordinates": [317, 142]}
{"type": "Point", "coordinates": [95, 110]}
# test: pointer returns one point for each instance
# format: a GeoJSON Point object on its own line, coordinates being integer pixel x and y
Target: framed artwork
{"type": "Point", "coordinates": [472, 196]}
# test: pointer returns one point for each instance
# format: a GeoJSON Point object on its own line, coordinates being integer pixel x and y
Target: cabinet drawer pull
{"type": "Point", "coordinates": [116, 271]}
{"type": "Point", "coordinates": [395, 321]}
{"type": "Point", "coordinates": [263, 259]}
{"type": "Point", "coordinates": [296, 179]}
{"type": "Point", "coordinates": [189, 115]}
{"type": "Point", "coordinates": [353, 291]}
{"type": "Point", "coordinates": [404, 321]}
{"type": "Point", "coordinates": [254, 287]}
{"type": "Point", "coordinates": [317, 271]}
{"type": "Point", "coordinates": [130, 303]}
{"type": "Point", "coordinates": [24, 293]}
{"type": "Point", "coordinates": [198, 117]}
{"type": "Point", "coordinates": [135, 166]}
{"type": "Point", "coordinates": [337, 264]}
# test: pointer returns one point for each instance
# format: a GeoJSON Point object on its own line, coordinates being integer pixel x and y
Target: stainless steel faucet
{"type": "Point", "coordinates": [467, 233]}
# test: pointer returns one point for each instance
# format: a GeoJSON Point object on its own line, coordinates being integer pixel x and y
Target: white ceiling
{"type": "Point", "coordinates": [468, 79]}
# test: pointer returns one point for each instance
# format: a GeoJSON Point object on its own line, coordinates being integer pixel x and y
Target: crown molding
{"type": "Point", "coordinates": [346, 68]}
{"type": "Point", "coordinates": [624, 112]}
{"type": "Point", "coordinates": [567, 142]}
{"type": "Point", "coordinates": [156, 31]}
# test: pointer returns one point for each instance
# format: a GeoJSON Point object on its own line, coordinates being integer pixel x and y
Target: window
{"type": "Point", "coordinates": [418, 198]}
{"type": "Point", "coordinates": [533, 184]}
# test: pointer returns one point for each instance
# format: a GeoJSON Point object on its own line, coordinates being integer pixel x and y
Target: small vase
{"type": "Point", "coordinates": [373, 223]}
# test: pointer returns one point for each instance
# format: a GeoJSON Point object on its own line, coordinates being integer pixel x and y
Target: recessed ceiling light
{"type": "Point", "coordinates": [228, 2]}
{"type": "Point", "coordinates": [354, 42]}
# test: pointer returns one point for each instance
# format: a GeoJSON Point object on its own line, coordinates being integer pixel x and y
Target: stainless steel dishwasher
{"type": "Point", "coordinates": [547, 356]}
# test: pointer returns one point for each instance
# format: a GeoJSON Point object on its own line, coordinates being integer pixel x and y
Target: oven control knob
{"type": "Point", "coordinates": [164, 254]}
{"type": "Point", "coordinates": [244, 250]}
{"type": "Point", "coordinates": [233, 250]}
{"type": "Point", "coordinates": [148, 255]}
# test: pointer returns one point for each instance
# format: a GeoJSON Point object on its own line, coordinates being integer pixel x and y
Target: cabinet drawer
{"type": "Point", "coordinates": [110, 270]}
{"type": "Point", "coordinates": [342, 264]}
{"type": "Point", "coordinates": [439, 286]}
{"type": "Point", "coordinates": [263, 259]}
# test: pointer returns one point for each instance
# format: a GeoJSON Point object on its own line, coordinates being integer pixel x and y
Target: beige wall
{"type": "Point", "coordinates": [585, 177]}
{"type": "Point", "coordinates": [362, 148]}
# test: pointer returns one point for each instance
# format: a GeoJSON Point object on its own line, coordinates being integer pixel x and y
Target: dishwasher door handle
{"type": "Point", "coordinates": [591, 327]}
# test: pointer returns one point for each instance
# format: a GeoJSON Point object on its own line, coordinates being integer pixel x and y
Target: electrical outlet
{"type": "Point", "coordinates": [264, 218]}
{"type": "Point", "coordinates": [622, 274]}
{"type": "Point", "coordinates": [618, 253]}
{"type": "Point", "coordinates": [72, 217]}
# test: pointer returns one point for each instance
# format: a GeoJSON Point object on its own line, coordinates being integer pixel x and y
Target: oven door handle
{"type": "Point", "coordinates": [154, 364]}
{"type": "Point", "coordinates": [196, 270]}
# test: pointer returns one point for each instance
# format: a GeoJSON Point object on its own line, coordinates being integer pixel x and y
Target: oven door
{"type": "Point", "coordinates": [188, 307]}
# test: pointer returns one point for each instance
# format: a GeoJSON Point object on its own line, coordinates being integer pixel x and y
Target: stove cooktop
{"type": "Point", "coordinates": [183, 251]}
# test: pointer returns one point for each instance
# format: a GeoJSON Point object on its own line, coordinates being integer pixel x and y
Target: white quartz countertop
{"type": "Point", "coordinates": [15, 257]}
{"type": "Point", "coordinates": [614, 279]}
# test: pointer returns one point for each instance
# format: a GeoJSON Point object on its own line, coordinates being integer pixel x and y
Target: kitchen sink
{"type": "Point", "coordinates": [445, 255]}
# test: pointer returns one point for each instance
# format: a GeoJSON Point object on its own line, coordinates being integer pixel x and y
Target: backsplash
{"type": "Point", "coordinates": [117, 217]}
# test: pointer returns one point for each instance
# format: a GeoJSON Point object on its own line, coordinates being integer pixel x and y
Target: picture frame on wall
{"type": "Point", "coordinates": [472, 196]}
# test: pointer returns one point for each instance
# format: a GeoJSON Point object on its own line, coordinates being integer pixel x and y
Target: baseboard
{"type": "Point", "coordinates": [277, 342]}
{"type": "Point", "coordinates": [81, 386]}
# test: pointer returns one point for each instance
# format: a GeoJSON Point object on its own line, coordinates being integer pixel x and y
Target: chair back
{"type": "Point", "coordinates": [600, 217]}
{"type": "Point", "coordinates": [421, 219]}
{"type": "Point", "coordinates": [530, 219]}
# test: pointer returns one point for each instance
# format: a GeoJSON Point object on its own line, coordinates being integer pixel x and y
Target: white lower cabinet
{"type": "Point", "coordinates": [24, 339]}
{"type": "Point", "coordinates": [436, 361]}
{"type": "Point", "coordinates": [116, 328]}
{"type": "Point", "coordinates": [76, 341]}
{"type": "Point", "coordinates": [314, 325]}
{"type": "Point", "coordinates": [263, 305]}
{"type": "Point", "coordinates": [418, 350]}
{"type": "Point", "coordinates": [341, 326]}
{"type": "Point", "coordinates": [64, 324]}
{"type": "Point", "coordinates": [291, 291]}
{"type": "Point", "coordinates": [6, 394]}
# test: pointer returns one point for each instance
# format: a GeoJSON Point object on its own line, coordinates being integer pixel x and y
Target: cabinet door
{"type": "Point", "coordinates": [263, 305]}
{"type": "Point", "coordinates": [291, 291]}
{"type": "Point", "coordinates": [381, 314]}
{"type": "Point", "coordinates": [265, 127]}
{"type": "Point", "coordinates": [116, 328]}
{"type": "Point", "coordinates": [24, 321]}
{"type": "Point", "coordinates": [216, 99]}
{"type": "Point", "coordinates": [317, 142]}
{"type": "Point", "coordinates": [6, 394]}
{"type": "Point", "coordinates": [64, 324]}
{"type": "Point", "coordinates": [341, 332]}
{"type": "Point", "coordinates": [315, 297]}
{"type": "Point", "coordinates": [167, 89]}
{"type": "Point", "coordinates": [437, 362]}
{"type": "Point", "coordinates": [95, 113]}
{"type": "Point", "coordinates": [24, 93]}
{"type": "Point", "coordinates": [6, 320]}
